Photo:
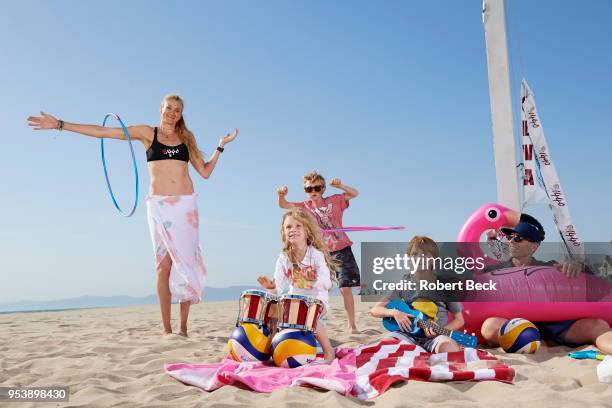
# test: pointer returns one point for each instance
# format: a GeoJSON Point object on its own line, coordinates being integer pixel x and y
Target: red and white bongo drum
{"type": "Point", "coordinates": [271, 315]}
{"type": "Point", "coordinates": [254, 307]}
{"type": "Point", "coordinates": [299, 312]}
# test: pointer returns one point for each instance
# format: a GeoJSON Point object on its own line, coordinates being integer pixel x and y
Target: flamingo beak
{"type": "Point", "coordinates": [513, 217]}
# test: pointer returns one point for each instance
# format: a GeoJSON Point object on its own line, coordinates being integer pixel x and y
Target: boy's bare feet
{"type": "Point", "coordinates": [353, 330]}
{"type": "Point", "coordinates": [183, 333]}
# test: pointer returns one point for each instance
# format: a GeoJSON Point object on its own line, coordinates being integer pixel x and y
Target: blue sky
{"type": "Point", "coordinates": [392, 97]}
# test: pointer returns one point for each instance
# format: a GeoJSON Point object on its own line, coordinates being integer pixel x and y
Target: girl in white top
{"type": "Point", "coordinates": [304, 265]}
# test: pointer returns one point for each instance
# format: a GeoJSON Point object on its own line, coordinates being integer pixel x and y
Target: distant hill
{"type": "Point", "coordinates": [83, 302]}
{"type": "Point", "coordinates": [86, 302]}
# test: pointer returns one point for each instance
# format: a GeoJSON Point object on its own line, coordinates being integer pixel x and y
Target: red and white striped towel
{"type": "Point", "coordinates": [381, 364]}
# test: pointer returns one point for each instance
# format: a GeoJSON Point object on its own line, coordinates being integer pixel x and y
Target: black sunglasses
{"type": "Point", "coordinates": [310, 189]}
{"type": "Point", "coordinates": [516, 238]}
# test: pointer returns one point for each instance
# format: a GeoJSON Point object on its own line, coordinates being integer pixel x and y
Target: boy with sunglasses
{"type": "Point", "coordinates": [525, 239]}
{"type": "Point", "coordinates": [328, 212]}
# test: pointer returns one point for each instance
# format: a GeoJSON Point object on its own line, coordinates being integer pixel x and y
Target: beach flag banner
{"type": "Point", "coordinates": [538, 166]}
{"type": "Point", "coordinates": [533, 193]}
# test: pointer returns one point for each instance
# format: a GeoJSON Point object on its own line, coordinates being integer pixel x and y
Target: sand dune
{"type": "Point", "coordinates": [115, 357]}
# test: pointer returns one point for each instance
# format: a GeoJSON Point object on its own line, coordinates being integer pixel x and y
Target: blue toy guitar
{"type": "Point", "coordinates": [420, 322]}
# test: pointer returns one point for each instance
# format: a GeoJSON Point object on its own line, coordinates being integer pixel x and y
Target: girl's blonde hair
{"type": "Point", "coordinates": [313, 237]}
{"type": "Point", "coordinates": [184, 134]}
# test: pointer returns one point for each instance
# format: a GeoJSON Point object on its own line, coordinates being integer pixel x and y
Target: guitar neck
{"type": "Point", "coordinates": [427, 324]}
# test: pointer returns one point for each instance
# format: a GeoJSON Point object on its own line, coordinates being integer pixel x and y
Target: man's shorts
{"type": "Point", "coordinates": [347, 270]}
{"type": "Point", "coordinates": [555, 331]}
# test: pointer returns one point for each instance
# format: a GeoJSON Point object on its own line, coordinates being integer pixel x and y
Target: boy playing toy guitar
{"type": "Point", "coordinates": [438, 309]}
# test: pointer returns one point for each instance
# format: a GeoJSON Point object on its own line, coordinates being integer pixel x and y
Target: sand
{"type": "Point", "coordinates": [115, 356]}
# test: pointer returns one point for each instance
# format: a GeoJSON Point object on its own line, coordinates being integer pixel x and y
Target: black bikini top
{"type": "Point", "coordinates": [159, 151]}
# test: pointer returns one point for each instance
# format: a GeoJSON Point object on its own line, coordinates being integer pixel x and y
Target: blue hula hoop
{"type": "Point", "coordinates": [110, 189]}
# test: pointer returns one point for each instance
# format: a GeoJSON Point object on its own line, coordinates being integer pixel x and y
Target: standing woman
{"type": "Point", "coordinates": [172, 210]}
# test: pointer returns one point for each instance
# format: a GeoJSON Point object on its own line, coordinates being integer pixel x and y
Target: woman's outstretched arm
{"type": "Point", "coordinates": [46, 121]}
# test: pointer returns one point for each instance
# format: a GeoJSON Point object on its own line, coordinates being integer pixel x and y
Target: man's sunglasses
{"type": "Point", "coordinates": [310, 189]}
{"type": "Point", "coordinates": [516, 238]}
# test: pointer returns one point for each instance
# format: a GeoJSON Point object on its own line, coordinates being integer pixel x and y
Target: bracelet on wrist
{"type": "Point", "coordinates": [220, 149]}
{"type": "Point", "coordinates": [60, 125]}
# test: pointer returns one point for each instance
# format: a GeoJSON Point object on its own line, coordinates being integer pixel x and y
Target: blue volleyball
{"type": "Point", "coordinates": [293, 348]}
{"type": "Point", "coordinates": [248, 342]}
{"type": "Point", "coordinates": [519, 336]}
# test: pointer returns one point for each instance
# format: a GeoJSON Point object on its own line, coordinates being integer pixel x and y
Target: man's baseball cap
{"type": "Point", "coordinates": [525, 230]}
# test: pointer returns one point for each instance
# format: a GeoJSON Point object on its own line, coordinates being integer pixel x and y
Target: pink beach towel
{"type": "Point", "coordinates": [338, 376]}
{"type": "Point", "coordinates": [364, 372]}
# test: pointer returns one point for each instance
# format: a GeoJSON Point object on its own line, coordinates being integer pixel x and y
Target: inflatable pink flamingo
{"type": "Point", "coordinates": [550, 295]}
{"type": "Point", "coordinates": [487, 217]}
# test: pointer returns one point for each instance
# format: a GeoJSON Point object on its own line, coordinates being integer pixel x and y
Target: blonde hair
{"type": "Point", "coordinates": [184, 134]}
{"type": "Point", "coordinates": [423, 243]}
{"type": "Point", "coordinates": [314, 176]}
{"type": "Point", "coordinates": [313, 237]}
